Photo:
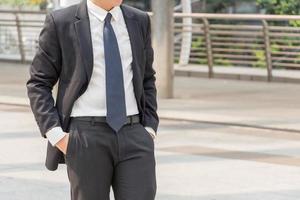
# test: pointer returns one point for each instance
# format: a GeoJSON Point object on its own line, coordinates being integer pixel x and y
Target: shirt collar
{"type": "Point", "coordinates": [101, 13]}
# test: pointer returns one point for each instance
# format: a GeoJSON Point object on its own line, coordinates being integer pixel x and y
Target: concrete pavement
{"type": "Point", "coordinates": [218, 139]}
{"type": "Point", "coordinates": [240, 103]}
{"type": "Point", "coordinates": [195, 161]}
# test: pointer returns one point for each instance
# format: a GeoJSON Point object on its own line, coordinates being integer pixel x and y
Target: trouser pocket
{"type": "Point", "coordinates": [69, 146]}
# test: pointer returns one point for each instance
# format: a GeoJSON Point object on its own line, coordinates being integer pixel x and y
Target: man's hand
{"type": "Point", "coordinates": [151, 132]}
{"type": "Point", "coordinates": [63, 143]}
{"type": "Point", "coordinates": [152, 135]}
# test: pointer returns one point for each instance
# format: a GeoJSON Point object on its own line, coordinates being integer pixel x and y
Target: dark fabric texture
{"type": "Point", "coordinates": [65, 55]}
{"type": "Point", "coordinates": [97, 158]}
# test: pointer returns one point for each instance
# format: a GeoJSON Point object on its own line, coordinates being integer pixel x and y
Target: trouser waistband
{"type": "Point", "coordinates": [94, 119]}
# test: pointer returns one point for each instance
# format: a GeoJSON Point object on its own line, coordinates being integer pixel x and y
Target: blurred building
{"type": "Point", "coordinates": [207, 6]}
{"type": "Point", "coordinates": [141, 4]}
{"type": "Point", "coordinates": [228, 6]}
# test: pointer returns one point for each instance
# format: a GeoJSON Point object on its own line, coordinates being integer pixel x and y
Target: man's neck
{"type": "Point", "coordinates": [103, 4]}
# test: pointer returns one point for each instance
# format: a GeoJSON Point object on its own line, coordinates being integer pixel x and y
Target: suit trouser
{"type": "Point", "coordinates": [97, 158]}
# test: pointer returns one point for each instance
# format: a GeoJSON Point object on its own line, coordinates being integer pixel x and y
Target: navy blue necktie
{"type": "Point", "coordinates": [115, 95]}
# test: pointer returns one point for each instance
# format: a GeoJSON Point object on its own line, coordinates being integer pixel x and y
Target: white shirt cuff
{"type": "Point", "coordinates": [55, 134]}
{"type": "Point", "coordinates": [151, 131]}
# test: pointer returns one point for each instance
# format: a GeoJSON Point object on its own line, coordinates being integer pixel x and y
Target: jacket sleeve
{"type": "Point", "coordinates": [44, 73]}
{"type": "Point", "coordinates": [151, 117]}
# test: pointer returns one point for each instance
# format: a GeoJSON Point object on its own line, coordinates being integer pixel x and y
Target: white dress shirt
{"type": "Point", "coordinates": [93, 101]}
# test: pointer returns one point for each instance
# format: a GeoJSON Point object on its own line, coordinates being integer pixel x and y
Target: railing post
{"type": "Point", "coordinates": [208, 44]}
{"type": "Point", "coordinates": [20, 40]}
{"type": "Point", "coordinates": [268, 53]}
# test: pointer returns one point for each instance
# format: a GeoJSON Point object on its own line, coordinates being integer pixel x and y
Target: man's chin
{"type": "Point", "coordinates": [118, 2]}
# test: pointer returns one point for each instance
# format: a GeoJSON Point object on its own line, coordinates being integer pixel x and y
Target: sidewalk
{"type": "Point", "coordinates": [194, 161]}
{"type": "Point", "coordinates": [239, 103]}
{"type": "Point", "coordinates": [239, 73]}
{"type": "Point", "coordinates": [243, 103]}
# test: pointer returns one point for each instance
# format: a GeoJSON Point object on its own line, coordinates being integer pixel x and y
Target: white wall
{"type": "Point", "coordinates": [64, 3]}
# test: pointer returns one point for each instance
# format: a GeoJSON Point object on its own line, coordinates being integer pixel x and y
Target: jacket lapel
{"type": "Point", "coordinates": [82, 28]}
{"type": "Point", "coordinates": [132, 28]}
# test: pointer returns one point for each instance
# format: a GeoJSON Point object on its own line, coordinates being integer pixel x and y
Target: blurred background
{"type": "Point", "coordinates": [228, 75]}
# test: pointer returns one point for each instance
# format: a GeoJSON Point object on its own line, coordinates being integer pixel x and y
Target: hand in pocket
{"type": "Point", "coordinates": [63, 143]}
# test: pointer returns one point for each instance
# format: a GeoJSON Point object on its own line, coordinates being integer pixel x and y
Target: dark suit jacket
{"type": "Point", "coordinates": [65, 54]}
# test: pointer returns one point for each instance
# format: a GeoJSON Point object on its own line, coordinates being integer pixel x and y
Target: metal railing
{"type": "Point", "coordinates": [19, 31]}
{"type": "Point", "coordinates": [265, 41]}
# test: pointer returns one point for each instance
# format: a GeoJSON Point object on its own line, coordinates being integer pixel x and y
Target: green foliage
{"type": "Point", "coordinates": [15, 2]}
{"type": "Point", "coordinates": [281, 7]}
{"type": "Point", "coordinates": [275, 47]}
{"type": "Point", "coordinates": [295, 23]}
{"type": "Point", "coordinates": [198, 43]}
{"type": "Point", "coordinates": [261, 59]}
{"type": "Point", "coordinates": [223, 62]}
{"type": "Point", "coordinates": [22, 2]}
{"type": "Point", "coordinates": [176, 60]}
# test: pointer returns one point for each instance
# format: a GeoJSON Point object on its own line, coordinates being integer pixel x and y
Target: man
{"type": "Point", "coordinates": [104, 120]}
